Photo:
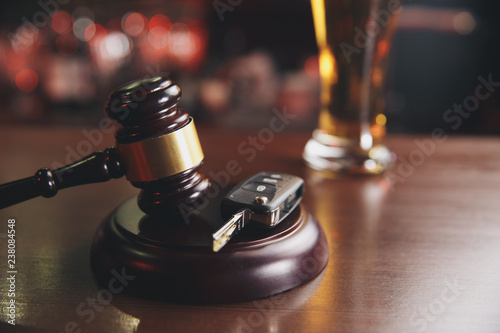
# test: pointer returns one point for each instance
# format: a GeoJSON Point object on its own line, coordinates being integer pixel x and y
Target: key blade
{"type": "Point", "coordinates": [222, 239]}
{"type": "Point", "coordinates": [228, 230]}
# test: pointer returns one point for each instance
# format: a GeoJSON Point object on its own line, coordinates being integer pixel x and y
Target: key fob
{"type": "Point", "coordinates": [270, 197]}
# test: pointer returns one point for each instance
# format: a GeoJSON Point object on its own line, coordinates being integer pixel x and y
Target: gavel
{"type": "Point", "coordinates": [157, 149]}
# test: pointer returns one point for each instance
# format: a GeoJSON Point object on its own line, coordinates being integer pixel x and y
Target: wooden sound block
{"type": "Point", "coordinates": [172, 259]}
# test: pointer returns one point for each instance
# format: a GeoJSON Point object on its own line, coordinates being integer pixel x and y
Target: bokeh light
{"type": "Point", "coordinates": [94, 34]}
{"type": "Point", "coordinates": [62, 22]}
{"type": "Point", "coordinates": [26, 80]}
{"type": "Point", "coordinates": [14, 60]}
{"type": "Point", "coordinates": [381, 119]}
{"type": "Point", "coordinates": [135, 24]}
{"type": "Point", "coordinates": [115, 46]}
{"type": "Point", "coordinates": [311, 66]}
{"type": "Point", "coordinates": [80, 27]}
{"type": "Point", "coordinates": [383, 48]}
{"type": "Point", "coordinates": [150, 54]}
{"type": "Point", "coordinates": [464, 23]}
{"type": "Point", "coordinates": [159, 25]}
{"type": "Point", "coordinates": [377, 77]}
{"type": "Point", "coordinates": [157, 42]}
{"type": "Point", "coordinates": [185, 43]}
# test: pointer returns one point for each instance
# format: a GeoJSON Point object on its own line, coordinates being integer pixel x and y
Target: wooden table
{"type": "Point", "coordinates": [420, 256]}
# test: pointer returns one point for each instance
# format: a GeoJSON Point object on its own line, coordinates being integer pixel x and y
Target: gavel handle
{"type": "Point", "coordinates": [97, 167]}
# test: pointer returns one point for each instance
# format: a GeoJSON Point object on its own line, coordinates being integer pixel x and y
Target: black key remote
{"type": "Point", "coordinates": [266, 198]}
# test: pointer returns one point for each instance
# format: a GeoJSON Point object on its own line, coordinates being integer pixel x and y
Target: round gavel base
{"type": "Point", "coordinates": [172, 260]}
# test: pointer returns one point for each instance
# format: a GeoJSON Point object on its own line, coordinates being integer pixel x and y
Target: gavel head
{"type": "Point", "coordinates": [158, 145]}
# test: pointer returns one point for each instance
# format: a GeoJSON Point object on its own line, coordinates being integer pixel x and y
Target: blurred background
{"type": "Point", "coordinates": [236, 60]}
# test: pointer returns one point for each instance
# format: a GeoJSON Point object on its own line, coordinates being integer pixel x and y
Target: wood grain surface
{"type": "Point", "coordinates": [414, 250]}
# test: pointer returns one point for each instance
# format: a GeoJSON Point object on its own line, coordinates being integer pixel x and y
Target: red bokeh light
{"type": "Point", "coordinates": [150, 54]}
{"type": "Point", "coordinates": [157, 42]}
{"type": "Point", "coordinates": [94, 34]}
{"type": "Point", "coordinates": [159, 25]}
{"type": "Point", "coordinates": [383, 47]}
{"type": "Point", "coordinates": [26, 80]}
{"type": "Point", "coordinates": [186, 43]}
{"type": "Point", "coordinates": [136, 24]}
{"type": "Point", "coordinates": [14, 60]}
{"type": "Point", "coordinates": [62, 22]}
{"type": "Point", "coordinates": [311, 67]}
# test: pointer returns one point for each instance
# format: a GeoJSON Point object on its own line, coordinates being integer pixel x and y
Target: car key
{"type": "Point", "coordinates": [265, 198]}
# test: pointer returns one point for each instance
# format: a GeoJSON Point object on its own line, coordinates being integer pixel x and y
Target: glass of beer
{"type": "Point", "coordinates": [354, 38]}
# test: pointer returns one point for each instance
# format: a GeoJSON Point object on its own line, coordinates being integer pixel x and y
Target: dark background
{"type": "Point", "coordinates": [430, 69]}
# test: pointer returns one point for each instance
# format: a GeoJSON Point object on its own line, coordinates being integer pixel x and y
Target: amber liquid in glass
{"type": "Point", "coordinates": [353, 38]}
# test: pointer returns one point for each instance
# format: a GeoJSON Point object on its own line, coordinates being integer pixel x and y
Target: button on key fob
{"type": "Point", "coordinates": [265, 198]}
